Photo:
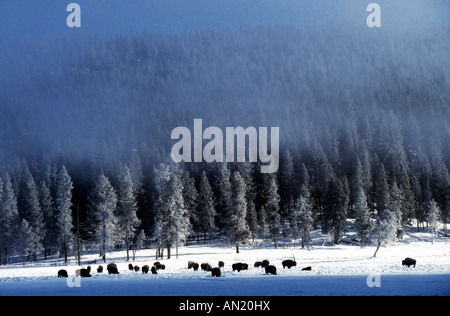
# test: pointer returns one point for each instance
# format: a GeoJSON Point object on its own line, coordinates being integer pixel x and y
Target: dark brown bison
{"type": "Point", "coordinates": [206, 266]}
{"type": "Point", "coordinates": [288, 263]}
{"type": "Point", "coordinates": [195, 266]}
{"type": "Point", "coordinates": [157, 264]}
{"type": "Point", "coordinates": [306, 269]}
{"type": "Point", "coordinates": [257, 264]}
{"type": "Point", "coordinates": [239, 266]}
{"type": "Point", "coordinates": [264, 263]}
{"type": "Point", "coordinates": [82, 273]}
{"type": "Point", "coordinates": [100, 269]}
{"type": "Point", "coordinates": [271, 270]}
{"type": "Point", "coordinates": [112, 268]}
{"type": "Point", "coordinates": [154, 270]}
{"type": "Point", "coordinates": [215, 272]}
{"type": "Point", "coordinates": [145, 269]}
{"type": "Point", "coordinates": [89, 269]}
{"type": "Point", "coordinates": [130, 267]}
{"type": "Point", "coordinates": [136, 268]}
{"type": "Point", "coordinates": [190, 264]}
{"type": "Point", "coordinates": [409, 262]}
{"type": "Point", "coordinates": [62, 274]}
{"type": "Point", "coordinates": [221, 264]}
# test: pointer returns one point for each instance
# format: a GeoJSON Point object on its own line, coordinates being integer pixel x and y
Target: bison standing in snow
{"type": "Point", "coordinates": [288, 263]}
{"type": "Point", "coordinates": [112, 268]}
{"type": "Point", "coordinates": [239, 266]}
{"type": "Point", "coordinates": [215, 272]}
{"type": "Point", "coordinates": [145, 269]}
{"type": "Point", "coordinates": [82, 273]}
{"type": "Point", "coordinates": [409, 262]}
{"type": "Point", "coordinates": [100, 269]}
{"type": "Point", "coordinates": [271, 270]}
{"type": "Point", "coordinates": [206, 266]}
{"type": "Point", "coordinates": [62, 274]}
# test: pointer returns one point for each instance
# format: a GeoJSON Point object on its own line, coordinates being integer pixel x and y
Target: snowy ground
{"type": "Point", "coordinates": [336, 270]}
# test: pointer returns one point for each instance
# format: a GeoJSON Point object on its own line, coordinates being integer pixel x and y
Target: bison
{"type": "Point", "coordinates": [130, 267]}
{"type": "Point", "coordinates": [145, 269]}
{"type": "Point", "coordinates": [239, 266]}
{"type": "Point", "coordinates": [409, 262]}
{"type": "Point", "coordinates": [264, 263]}
{"type": "Point", "coordinates": [306, 269]}
{"type": "Point", "coordinates": [112, 268]}
{"type": "Point", "coordinates": [190, 264]}
{"type": "Point", "coordinates": [62, 274]}
{"type": "Point", "coordinates": [206, 266]}
{"type": "Point", "coordinates": [221, 264]}
{"type": "Point", "coordinates": [195, 266]}
{"type": "Point", "coordinates": [82, 273]}
{"type": "Point", "coordinates": [215, 272]}
{"type": "Point", "coordinates": [154, 270]}
{"type": "Point", "coordinates": [100, 269]}
{"type": "Point", "coordinates": [136, 268]}
{"type": "Point", "coordinates": [157, 264]}
{"type": "Point", "coordinates": [288, 263]}
{"type": "Point", "coordinates": [271, 270]}
{"type": "Point", "coordinates": [257, 264]}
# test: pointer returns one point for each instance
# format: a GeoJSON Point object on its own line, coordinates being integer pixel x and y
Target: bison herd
{"type": "Point", "coordinates": [215, 272]}
{"type": "Point", "coordinates": [112, 269]}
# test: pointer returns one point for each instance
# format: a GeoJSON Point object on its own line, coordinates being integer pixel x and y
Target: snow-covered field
{"type": "Point", "coordinates": [336, 270]}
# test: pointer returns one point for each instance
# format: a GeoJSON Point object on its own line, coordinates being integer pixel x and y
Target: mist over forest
{"type": "Point", "coordinates": [356, 107]}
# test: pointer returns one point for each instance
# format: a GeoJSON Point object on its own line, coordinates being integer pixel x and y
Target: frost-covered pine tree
{"type": "Point", "coordinates": [172, 225]}
{"type": "Point", "coordinates": [127, 208]}
{"type": "Point", "coordinates": [272, 207]}
{"type": "Point", "coordinates": [303, 209]}
{"type": "Point", "coordinates": [103, 203]}
{"type": "Point", "coordinates": [262, 220]}
{"type": "Point", "coordinates": [24, 239]}
{"type": "Point", "coordinates": [206, 211]}
{"type": "Point", "coordinates": [237, 228]}
{"type": "Point", "coordinates": [385, 230]}
{"type": "Point", "coordinates": [363, 223]}
{"type": "Point", "coordinates": [334, 208]}
{"type": "Point", "coordinates": [432, 218]}
{"type": "Point", "coordinates": [31, 211]}
{"type": "Point", "coordinates": [50, 240]}
{"type": "Point", "coordinates": [63, 204]}
{"type": "Point", "coordinates": [9, 219]}
{"type": "Point", "coordinates": [225, 194]}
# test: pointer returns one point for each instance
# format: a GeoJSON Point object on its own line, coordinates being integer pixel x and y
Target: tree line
{"type": "Point", "coordinates": [85, 137]}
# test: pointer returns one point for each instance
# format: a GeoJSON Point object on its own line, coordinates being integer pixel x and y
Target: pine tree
{"type": "Point", "coordinates": [30, 210]}
{"type": "Point", "coordinates": [63, 204]}
{"type": "Point", "coordinates": [103, 203]}
{"type": "Point", "coordinates": [206, 211]}
{"type": "Point", "coordinates": [224, 206]}
{"type": "Point", "coordinates": [432, 218]}
{"type": "Point", "coordinates": [50, 240]}
{"type": "Point", "coordinates": [263, 222]}
{"type": "Point", "coordinates": [127, 208]}
{"type": "Point", "coordinates": [252, 219]}
{"type": "Point", "coordinates": [303, 209]}
{"type": "Point", "coordinates": [272, 207]}
{"type": "Point", "coordinates": [24, 240]}
{"type": "Point", "coordinates": [171, 217]}
{"type": "Point", "coordinates": [384, 231]}
{"type": "Point", "coordinates": [9, 219]}
{"type": "Point", "coordinates": [237, 228]}
{"type": "Point", "coordinates": [334, 209]}
{"type": "Point", "coordinates": [363, 223]}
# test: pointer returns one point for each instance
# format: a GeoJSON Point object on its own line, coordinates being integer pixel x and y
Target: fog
{"type": "Point", "coordinates": [133, 72]}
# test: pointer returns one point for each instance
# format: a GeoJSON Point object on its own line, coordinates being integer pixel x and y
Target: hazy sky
{"type": "Point", "coordinates": [47, 17]}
